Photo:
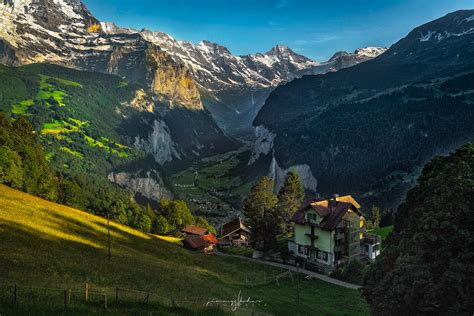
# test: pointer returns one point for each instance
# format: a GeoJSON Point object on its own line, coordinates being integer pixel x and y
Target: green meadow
{"type": "Point", "coordinates": [47, 248]}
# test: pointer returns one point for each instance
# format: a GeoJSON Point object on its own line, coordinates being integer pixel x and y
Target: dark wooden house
{"type": "Point", "coordinates": [234, 233]}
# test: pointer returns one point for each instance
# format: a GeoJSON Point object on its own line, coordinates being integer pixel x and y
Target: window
{"type": "Point", "coordinates": [306, 251]}
{"type": "Point", "coordinates": [300, 249]}
{"type": "Point", "coordinates": [318, 254]}
{"type": "Point", "coordinates": [325, 256]}
{"type": "Point", "coordinates": [311, 217]}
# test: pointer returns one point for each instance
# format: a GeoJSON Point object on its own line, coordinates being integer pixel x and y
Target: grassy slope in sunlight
{"type": "Point", "coordinates": [49, 245]}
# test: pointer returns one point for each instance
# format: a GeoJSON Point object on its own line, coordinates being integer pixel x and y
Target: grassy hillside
{"type": "Point", "coordinates": [52, 246]}
{"type": "Point", "coordinates": [78, 114]}
{"type": "Point", "coordinates": [383, 232]}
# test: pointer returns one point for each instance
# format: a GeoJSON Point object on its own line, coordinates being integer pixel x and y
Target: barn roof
{"type": "Point", "coordinates": [194, 230]}
{"type": "Point", "coordinates": [201, 242]}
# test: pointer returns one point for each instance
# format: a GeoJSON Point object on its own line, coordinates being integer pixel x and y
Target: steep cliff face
{"type": "Point", "coordinates": [278, 174]}
{"type": "Point", "coordinates": [263, 143]}
{"type": "Point", "coordinates": [149, 184]}
{"type": "Point", "coordinates": [173, 81]}
{"type": "Point", "coordinates": [158, 143]}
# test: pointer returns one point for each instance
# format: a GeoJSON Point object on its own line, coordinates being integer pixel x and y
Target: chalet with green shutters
{"type": "Point", "coordinates": [330, 232]}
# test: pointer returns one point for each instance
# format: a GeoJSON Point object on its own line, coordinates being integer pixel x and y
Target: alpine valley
{"type": "Point", "coordinates": [169, 118]}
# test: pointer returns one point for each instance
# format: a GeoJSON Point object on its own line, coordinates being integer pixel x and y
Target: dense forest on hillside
{"type": "Point", "coordinates": [374, 145]}
{"type": "Point", "coordinates": [426, 266]}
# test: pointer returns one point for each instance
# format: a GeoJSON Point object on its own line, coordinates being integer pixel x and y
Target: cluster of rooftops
{"type": "Point", "coordinates": [232, 232]}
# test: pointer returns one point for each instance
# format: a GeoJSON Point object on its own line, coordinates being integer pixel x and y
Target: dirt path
{"type": "Point", "coordinates": [319, 276]}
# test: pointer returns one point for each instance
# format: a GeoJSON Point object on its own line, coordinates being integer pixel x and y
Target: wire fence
{"type": "Point", "coordinates": [15, 298]}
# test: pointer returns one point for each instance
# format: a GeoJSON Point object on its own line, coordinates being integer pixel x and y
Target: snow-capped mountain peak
{"type": "Point", "coordinates": [370, 52]}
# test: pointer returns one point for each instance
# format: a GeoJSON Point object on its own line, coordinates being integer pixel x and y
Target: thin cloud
{"type": "Point", "coordinates": [281, 4]}
{"type": "Point", "coordinates": [315, 40]}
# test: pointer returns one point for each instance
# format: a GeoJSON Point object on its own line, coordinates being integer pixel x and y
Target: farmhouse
{"type": "Point", "coordinates": [204, 243]}
{"type": "Point", "coordinates": [330, 232]}
{"type": "Point", "coordinates": [234, 233]}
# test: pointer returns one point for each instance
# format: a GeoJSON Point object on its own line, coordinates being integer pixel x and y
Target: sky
{"type": "Point", "coordinates": [316, 29]}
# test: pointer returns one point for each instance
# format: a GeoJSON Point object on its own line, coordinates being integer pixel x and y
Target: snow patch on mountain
{"type": "Point", "coordinates": [370, 52]}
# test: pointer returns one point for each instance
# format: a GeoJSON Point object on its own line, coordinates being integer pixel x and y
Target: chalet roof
{"type": "Point", "coordinates": [337, 212]}
{"type": "Point", "coordinates": [211, 239]}
{"type": "Point", "coordinates": [233, 226]}
{"type": "Point", "coordinates": [330, 210]}
{"type": "Point", "coordinates": [194, 230]}
{"type": "Point", "coordinates": [201, 242]}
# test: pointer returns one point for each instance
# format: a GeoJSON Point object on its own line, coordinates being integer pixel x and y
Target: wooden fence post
{"type": "Point", "coordinates": [86, 291]}
{"type": "Point", "coordinates": [105, 301]}
{"type": "Point", "coordinates": [15, 293]}
{"type": "Point", "coordinates": [69, 297]}
{"type": "Point", "coordinates": [65, 298]}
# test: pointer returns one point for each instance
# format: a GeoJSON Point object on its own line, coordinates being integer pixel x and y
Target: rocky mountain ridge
{"type": "Point", "coordinates": [235, 87]}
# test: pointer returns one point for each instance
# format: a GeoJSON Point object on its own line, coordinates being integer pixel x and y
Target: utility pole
{"type": "Point", "coordinates": [108, 232]}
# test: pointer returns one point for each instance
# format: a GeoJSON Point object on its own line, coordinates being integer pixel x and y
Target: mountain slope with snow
{"type": "Point", "coordinates": [234, 87]}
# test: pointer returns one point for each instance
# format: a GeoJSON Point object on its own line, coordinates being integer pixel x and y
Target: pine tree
{"type": "Point", "coordinates": [261, 199]}
{"type": "Point", "coordinates": [290, 196]}
{"type": "Point", "coordinates": [259, 208]}
{"type": "Point", "coordinates": [376, 217]}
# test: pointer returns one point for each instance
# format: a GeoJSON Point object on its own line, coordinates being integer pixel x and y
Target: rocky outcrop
{"type": "Point", "coordinates": [158, 143]}
{"type": "Point", "coordinates": [263, 143]}
{"type": "Point", "coordinates": [173, 81]}
{"type": "Point", "coordinates": [278, 174]}
{"type": "Point", "coordinates": [142, 101]}
{"type": "Point", "coordinates": [150, 184]}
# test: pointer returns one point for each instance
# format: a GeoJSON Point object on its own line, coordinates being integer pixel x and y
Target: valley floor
{"type": "Point", "coordinates": [46, 248]}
